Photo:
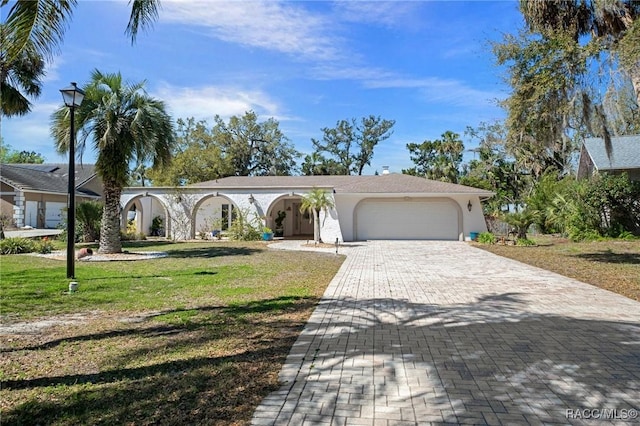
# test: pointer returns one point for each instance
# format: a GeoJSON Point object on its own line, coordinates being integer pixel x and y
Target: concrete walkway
{"type": "Point", "coordinates": [441, 332]}
{"type": "Point", "coordinates": [32, 233]}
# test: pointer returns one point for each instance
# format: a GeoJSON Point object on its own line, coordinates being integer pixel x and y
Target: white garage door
{"type": "Point", "coordinates": [55, 214]}
{"type": "Point", "coordinates": [407, 220]}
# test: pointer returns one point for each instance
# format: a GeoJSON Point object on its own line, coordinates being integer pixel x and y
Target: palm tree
{"type": "Point", "coordinates": [315, 201]}
{"type": "Point", "coordinates": [20, 76]}
{"type": "Point", "coordinates": [123, 124]}
{"type": "Point", "coordinates": [43, 23]}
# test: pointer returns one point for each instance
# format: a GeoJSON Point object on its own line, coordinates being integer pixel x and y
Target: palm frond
{"type": "Point", "coordinates": [143, 14]}
{"type": "Point", "coordinates": [43, 22]}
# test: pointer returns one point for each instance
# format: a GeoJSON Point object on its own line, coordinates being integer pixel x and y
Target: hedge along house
{"type": "Point", "coordinates": [36, 195]}
{"type": "Point", "coordinates": [389, 206]}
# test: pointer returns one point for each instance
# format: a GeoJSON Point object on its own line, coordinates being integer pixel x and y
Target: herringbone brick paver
{"type": "Point", "coordinates": [419, 332]}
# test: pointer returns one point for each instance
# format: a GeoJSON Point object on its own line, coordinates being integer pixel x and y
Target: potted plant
{"type": "Point", "coordinates": [278, 220]}
{"type": "Point", "coordinates": [156, 227]}
{"type": "Point", "coordinates": [267, 234]}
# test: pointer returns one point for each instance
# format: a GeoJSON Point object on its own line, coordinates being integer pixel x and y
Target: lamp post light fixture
{"type": "Point", "coordinates": [469, 205]}
{"type": "Point", "coordinates": [72, 97]}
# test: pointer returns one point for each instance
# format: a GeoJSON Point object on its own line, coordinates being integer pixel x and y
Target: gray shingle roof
{"type": "Point", "coordinates": [391, 183]}
{"type": "Point", "coordinates": [45, 177]}
{"type": "Point", "coordinates": [625, 154]}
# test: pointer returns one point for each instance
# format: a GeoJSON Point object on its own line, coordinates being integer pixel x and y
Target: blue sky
{"type": "Point", "coordinates": [426, 64]}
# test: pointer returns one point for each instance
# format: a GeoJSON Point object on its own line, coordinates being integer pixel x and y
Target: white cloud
{"type": "Point", "coordinates": [453, 92]}
{"type": "Point", "coordinates": [206, 102]}
{"type": "Point", "coordinates": [385, 13]}
{"type": "Point", "coordinates": [285, 27]}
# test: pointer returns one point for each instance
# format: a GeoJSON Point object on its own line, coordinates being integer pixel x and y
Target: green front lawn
{"type": "Point", "coordinates": [198, 337]}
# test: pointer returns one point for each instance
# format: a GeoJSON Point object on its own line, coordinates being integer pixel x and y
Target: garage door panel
{"type": "Point", "coordinates": [55, 214]}
{"type": "Point", "coordinates": [377, 219]}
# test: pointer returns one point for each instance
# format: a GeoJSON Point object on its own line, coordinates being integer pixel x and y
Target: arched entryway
{"type": "Point", "coordinates": [294, 223]}
{"type": "Point", "coordinates": [145, 214]}
{"type": "Point", "coordinates": [213, 215]}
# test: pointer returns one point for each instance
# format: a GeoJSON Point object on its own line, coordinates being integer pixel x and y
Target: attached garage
{"type": "Point", "coordinates": [400, 219]}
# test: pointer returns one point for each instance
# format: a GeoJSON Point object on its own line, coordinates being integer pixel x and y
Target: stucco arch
{"type": "Point", "coordinates": [147, 207]}
{"type": "Point", "coordinates": [212, 212]}
{"type": "Point", "coordinates": [294, 223]}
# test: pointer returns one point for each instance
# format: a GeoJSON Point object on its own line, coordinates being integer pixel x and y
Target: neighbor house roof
{"type": "Point", "coordinates": [625, 153]}
{"type": "Point", "coordinates": [51, 178]}
{"type": "Point", "coordinates": [386, 183]}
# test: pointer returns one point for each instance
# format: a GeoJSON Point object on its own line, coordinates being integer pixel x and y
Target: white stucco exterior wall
{"type": "Point", "coordinates": [185, 219]}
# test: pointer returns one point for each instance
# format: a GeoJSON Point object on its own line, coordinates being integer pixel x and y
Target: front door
{"type": "Point", "coordinates": [301, 223]}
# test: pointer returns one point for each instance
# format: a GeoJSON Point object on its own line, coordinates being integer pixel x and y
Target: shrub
{"type": "Point", "coordinates": [132, 235]}
{"type": "Point", "coordinates": [89, 215]}
{"type": "Point", "coordinates": [521, 221]}
{"type": "Point", "coordinates": [626, 235]}
{"type": "Point", "coordinates": [43, 246]}
{"type": "Point", "coordinates": [16, 245]}
{"type": "Point", "coordinates": [525, 242]}
{"type": "Point", "coordinates": [576, 234]}
{"type": "Point", "coordinates": [242, 229]}
{"type": "Point", "coordinates": [486, 238]}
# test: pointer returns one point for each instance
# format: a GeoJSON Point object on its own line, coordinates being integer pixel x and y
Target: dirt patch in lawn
{"type": "Point", "coordinates": [206, 365]}
{"type": "Point", "coordinates": [613, 264]}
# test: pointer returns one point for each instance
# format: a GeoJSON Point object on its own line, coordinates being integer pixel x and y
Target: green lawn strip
{"type": "Point", "coordinates": [203, 346]}
{"type": "Point", "coordinates": [34, 286]}
{"type": "Point", "coordinates": [610, 264]}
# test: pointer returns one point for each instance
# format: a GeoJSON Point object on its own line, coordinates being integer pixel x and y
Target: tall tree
{"type": "Point", "coordinates": [20, 76]}
{"type": "Point", "coordinates": [254, 148]}
{"type": "Point", "coordinates": [196, 157]}
{"type": "Point", "coordinates": [546, 107]}
{"type": "Point", "coordinates": [315, 201]}
{"type": "Point", "coordinates": [610, 27]}
{"type": "Point", "coordinates": [350, 144]}
{"type": "Point", "coordinates": [495, 168]}
{"type": "Point", "coordinates": [9, 155]}
{"type": "Point", "coordinates": [317, 164]}
{"type": "Point", "coordinates": [439, 159]}
{"type": "Point", "coordinates": [123, 124]}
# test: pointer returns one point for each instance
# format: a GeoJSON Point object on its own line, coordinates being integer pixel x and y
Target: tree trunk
{"type": "Point", "coordinates": [316, 226]}
{"type": "Point", "coordinates": [634, 75]}
{"type": "Point", "coordinates": [110, 226]}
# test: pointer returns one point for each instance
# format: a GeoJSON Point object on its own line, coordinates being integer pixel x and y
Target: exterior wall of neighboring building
{"type": "Point", "coordinates": [585, 166]}
{"type": "Point", "coordinates": [7, 195]}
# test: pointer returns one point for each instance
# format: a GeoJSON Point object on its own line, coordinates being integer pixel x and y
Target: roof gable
{"type": "Point", "coordinates": [625, 154]}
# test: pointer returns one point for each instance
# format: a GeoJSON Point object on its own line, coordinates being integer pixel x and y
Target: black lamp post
{"type": "Point", "coordinates": [72, 98]}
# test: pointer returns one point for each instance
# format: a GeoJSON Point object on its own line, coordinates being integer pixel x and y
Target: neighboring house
{"type": "Point", "coordinates": [36, 194]}
{"type": "Point", "coordinates": [625, 157]}
{"type": "Point", "coordinates": [389, 206]}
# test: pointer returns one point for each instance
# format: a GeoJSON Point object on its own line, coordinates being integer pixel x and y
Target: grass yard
{"type": "Point", "coordinates": [198, 337]}
{"type": "Point", "coordinates": [613, 264]}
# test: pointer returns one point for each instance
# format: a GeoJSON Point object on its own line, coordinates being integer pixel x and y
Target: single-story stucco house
{"type": "Point", "coordinates": [624, 158]}
{"type": "Point", "coordinates": [387, 206]}
{"type": "Point", "coordinates": [35, 195]}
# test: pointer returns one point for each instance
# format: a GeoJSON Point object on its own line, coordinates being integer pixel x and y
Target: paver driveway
{"type": "Point", "coordinates": [441, 332]}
